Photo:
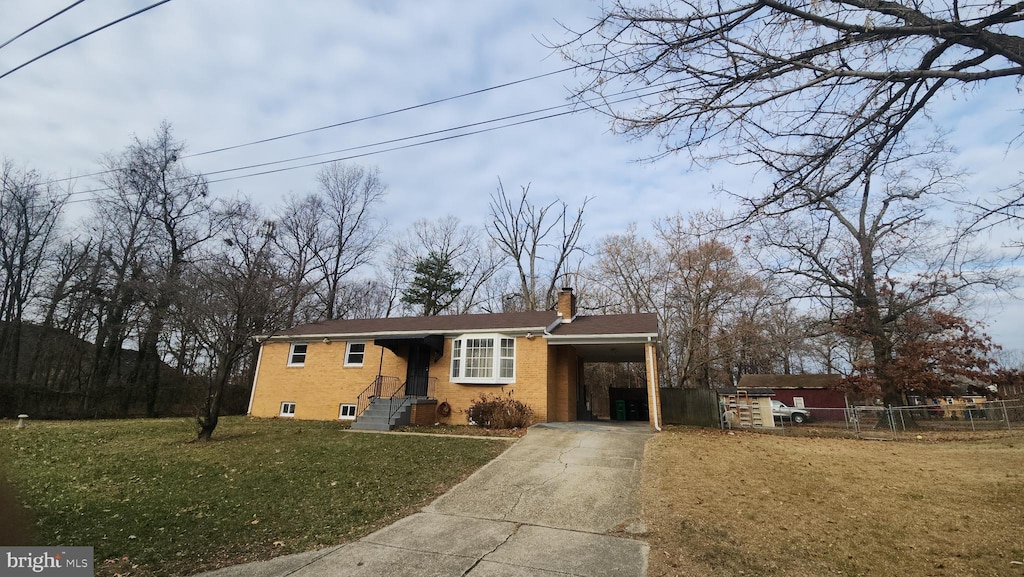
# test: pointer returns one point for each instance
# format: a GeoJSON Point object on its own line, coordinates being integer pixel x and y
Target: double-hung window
{"type": "Point", "coordinates": [483, 359]}
{"type": "Point", "coordinates": [354, 353]}
{"type": "Point", "coordinates": [297, 354]}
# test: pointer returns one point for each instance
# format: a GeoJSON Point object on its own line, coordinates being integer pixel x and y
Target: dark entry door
{"type": "Point", "coordinates": [418, 371]}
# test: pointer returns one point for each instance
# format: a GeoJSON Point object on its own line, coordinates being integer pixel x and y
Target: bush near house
{"type": "Point", "coordinates": [500, 411]}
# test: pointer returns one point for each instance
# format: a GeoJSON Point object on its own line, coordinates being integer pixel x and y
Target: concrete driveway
{"type": "Point", "coordinates": [561, 501]}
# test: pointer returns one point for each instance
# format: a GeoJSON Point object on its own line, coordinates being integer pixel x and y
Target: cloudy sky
{"type": "Point", "coordinates": [229, 72]}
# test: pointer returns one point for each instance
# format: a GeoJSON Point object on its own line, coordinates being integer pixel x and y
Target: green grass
{"type": "Point", "coordinates": [153, 502]}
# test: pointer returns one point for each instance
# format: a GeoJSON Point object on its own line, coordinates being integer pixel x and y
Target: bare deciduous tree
{"type": "Point", "coordinates": [179, 214]}
{"type": "Point", "coordinates": [529, 235]}
{"type": "Point", "coordinates": [874, 254]}
{"type": "Point", "coordinates": [695, 284]}
{"type": "Point", "coordinates": [707, 284]}
{"type": "Point", "coordinates": [300, 239]}
{"type": "Point", "coordinates": [239, 293]}
{"type": "Point", "coordinates": [792, 84]}
{"type": "Point", "coordinates": [29, 214]}
{"type": "Point", "coordinates": [349, 194]}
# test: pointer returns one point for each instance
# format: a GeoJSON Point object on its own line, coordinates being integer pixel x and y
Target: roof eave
{"type": "Point", "coordinates": [374, 334]}
{"type": "Point", "coordinates": [603, 338]}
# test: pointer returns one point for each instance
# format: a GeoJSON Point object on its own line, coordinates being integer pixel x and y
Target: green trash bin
{"type": "Point", "coordinates": [620, 410]}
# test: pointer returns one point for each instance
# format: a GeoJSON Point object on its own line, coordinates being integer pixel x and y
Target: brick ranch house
{"type": "Point", "coordinates": [380, 372]}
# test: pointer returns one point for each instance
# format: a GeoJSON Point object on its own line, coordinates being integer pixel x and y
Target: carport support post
{"type": "Point", "coordinates": [653, 395]}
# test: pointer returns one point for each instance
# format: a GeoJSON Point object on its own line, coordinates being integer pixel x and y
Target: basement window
{"type": "Point", "coordinates": [483, 359]}
{"type": "Point", "coordinates": [287, 409]}
{"type": "Point", "coordinates": [297, 354]}
{"type": "Point", "coordinates": [347, 413]}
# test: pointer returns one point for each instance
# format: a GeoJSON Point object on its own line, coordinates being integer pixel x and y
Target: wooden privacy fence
{"type": "Point", "coordinates": [690, 407]}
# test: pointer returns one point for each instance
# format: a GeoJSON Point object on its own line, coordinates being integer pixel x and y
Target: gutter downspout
{"type": "Point", "coordinates": [255, 378]}
{"type": "Point", "coordinates": [652, 380]}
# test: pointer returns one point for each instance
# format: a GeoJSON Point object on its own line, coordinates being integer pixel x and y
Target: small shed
{"type": "Point", "coordinates": [746, 407]}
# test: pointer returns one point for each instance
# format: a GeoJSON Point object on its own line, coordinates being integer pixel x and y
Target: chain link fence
{"type": "Point", "coordinates": [893, 423]}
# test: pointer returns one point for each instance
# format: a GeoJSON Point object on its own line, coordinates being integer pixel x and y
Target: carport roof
{"type": "Point", "coordinates": [645, 324]}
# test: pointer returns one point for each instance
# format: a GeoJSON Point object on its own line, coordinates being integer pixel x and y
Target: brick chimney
{"type": "Point", "coordinates": [566, 304]}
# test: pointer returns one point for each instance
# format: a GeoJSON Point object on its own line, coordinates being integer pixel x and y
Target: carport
{"type": "Point", "coordinates": [609, 339]}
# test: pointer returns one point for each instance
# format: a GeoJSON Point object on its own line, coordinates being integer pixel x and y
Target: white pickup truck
{"type": "Point", "coordinates": [797, 415]}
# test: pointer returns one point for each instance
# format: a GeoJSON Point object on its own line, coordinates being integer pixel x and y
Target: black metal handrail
{"type": "Point", "coordinates": [395, 402]}
{"type": "Point", "coordinates": [393, 406]}
{"type": "Point", "coordinates": [382, 387]}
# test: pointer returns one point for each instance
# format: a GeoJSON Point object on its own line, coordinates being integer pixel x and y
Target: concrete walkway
{"type": "Point", "coordinates": [557, 503]}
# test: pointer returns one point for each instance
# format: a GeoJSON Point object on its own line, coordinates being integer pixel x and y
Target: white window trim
{"type": "Point", "coordinates": [348, 351]}
{"type": "Point", "coordinates": [286, 404]}
{"type": "Point", "coordinates": [460, 356]}
{"type": "Point", "coordinates": [291, 354]}
{"type": "Point", "coordinates": [344, 417]}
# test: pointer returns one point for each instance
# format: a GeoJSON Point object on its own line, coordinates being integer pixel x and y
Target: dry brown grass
{"type": "Point", "coordinates": [751, 504]}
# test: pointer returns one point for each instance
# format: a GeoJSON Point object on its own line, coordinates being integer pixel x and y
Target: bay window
{"type": "Point", "coordinates": [483, 359]}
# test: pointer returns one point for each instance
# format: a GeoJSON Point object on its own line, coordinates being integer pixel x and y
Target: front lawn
{"type": "Point", "coordinates": [744, 503]}
{"type": "Point", "coordinates": [152, 502]}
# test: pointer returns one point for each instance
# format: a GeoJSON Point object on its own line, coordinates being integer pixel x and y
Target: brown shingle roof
{"type": "Point", "coordinates": [646, 323]}
{"type": "Point", "coordinates": [436, 324]}
{"type": "Point", "coordinates": [643, 323]}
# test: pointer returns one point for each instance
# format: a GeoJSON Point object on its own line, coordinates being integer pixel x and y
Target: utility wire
{"type": "Point", "coordinates": [41, 23]}
{"type": "Point", "coordinates": [350, 157]}
{"type": "Point", "coordinates": [365, 118]}
{"type": "Point", "coordinates": [392, 149]}
{"type": "Point", "coordinates": [634, 95]}
{"type": "Point", "coordinates": [407, 108]}
{"type": "Point", "coordinates": [391, 141]}
{"type": "Point", "coordinates": [360, 147]}
{"type": "Point", "coordinates": [346, 122]}
{"type": "Point", "coordinates": [76, 39]}
{"type": "Point", "coordinates": [441, 131]}
{"type": "Point", "coordinates": [382, 114]}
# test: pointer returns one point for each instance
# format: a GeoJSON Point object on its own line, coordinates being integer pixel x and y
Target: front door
{"type": "Point", "coordinates": [418, 370]}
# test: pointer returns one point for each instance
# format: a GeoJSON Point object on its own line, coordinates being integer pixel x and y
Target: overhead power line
{"type": "Point", "coordinates": [37, 25]}
{"type": "Point", "coordinates": [380, 115]}
{"type": "Point", "coordinates": [344, 122]}
{"type": "Point", "coordinates": [360, 119]}
{"type": "Point", "coordinates": [343, 158]}
{"type": "Point", "coordinates": [392, 149]}
{"type": "Point", "coordinates": [443, 130]}
{"type": "Point", "coordinates": [87, 34]}
{"type": "Point", "coordinates": [633, 95]}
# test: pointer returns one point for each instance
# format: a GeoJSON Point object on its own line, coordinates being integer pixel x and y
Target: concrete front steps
{"type": "Point", "coordinates": [376, 418]}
